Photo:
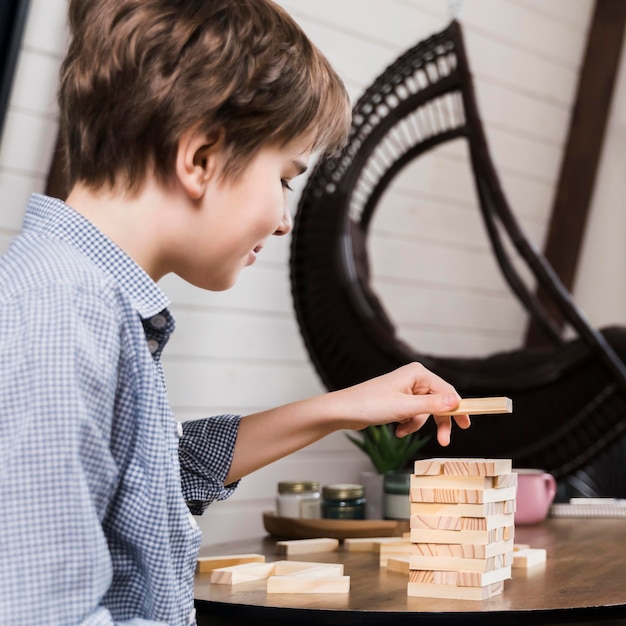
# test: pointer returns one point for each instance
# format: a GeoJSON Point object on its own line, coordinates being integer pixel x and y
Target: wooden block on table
{"type": "Point", "coordinates": [304, 546]}
{"type": "Point", "coordinates": [462, 496]}
{"type": "Point", "coordinates": [525, 559]}
{"type": "Point", "coordinates": [483, 579]}
{"type": "Point", "coordinates": [306, 569]}
{"type": "Point", "coordinates": [452, 592]}
{"type": "Point", "coordinates": [321, 579]}
{"type": "Point", "coordinates": [425, 535]}
{"type": "Point", "coordinates": [286, 568]}
{"type": "Point", "coordinates": [398, 564]}
{"type": "Point", "coordinates": [292, 584]}
{"type": "Point", "coordinates": [460, 578]}
{"type": "Point", "coordinates": [468, 551]}
{"type": "Point", "coordinates": [243, 573]}
{"type": "Point", "coordinates": [482, 406]}
{"type": "Point", "coordinates": [432, 577]}
{"type": "Point", "coordinates": [206, 564]}
{"type": "Point", "coordinates": [446, 481]}
{"type": "Point", "coordinates": [482, 509]}
{"type": "Point", "coordinates": [367, 544]}
{"type": "Point", "coordinates": [455, 563]}
{"type": "Point", "coordinates": [462, 467]}
{"type": "Point", "coordinates": [505, 480]}
{"type": "Point", "coordinates": [450, 522]}
{"type": "Point", "coordinates": [388, 550]}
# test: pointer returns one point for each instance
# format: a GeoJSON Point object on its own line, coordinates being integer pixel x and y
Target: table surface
{"type": "Point", "coordinates": [584, 579]}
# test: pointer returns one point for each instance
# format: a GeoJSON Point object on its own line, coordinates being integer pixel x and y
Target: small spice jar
{"type": "Point", "coordinates": [343, 501]}
{"type": "Point", "coordinates": [299, 499]}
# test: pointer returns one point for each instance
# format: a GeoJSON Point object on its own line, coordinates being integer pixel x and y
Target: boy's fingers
{"type": "Point", "coordinates": [434, 403]}
{"type": "Point", "coordinates": [463, 421]}
{"type": "Point", "coordinates": [444, 427]}
{"type": "Point", "coordinates": [411, 425]}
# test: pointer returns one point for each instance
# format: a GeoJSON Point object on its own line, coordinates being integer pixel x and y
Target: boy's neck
{"type": "Point", "coordinates": [137, 222]}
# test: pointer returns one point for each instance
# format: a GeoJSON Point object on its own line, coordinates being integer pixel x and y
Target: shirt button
{"type": "Point", "coordinates": [153, 346]}
{"type": "Point", "coordinates": [179, 429]}
{"type": "Point", "coordinates": [158, 321]}
{"type": "Point", "coordinates": [192, 617]}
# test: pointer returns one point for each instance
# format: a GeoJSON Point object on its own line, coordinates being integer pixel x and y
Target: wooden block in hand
{"type": "Point", "coordinates": [482, 406]}
{"type": "Point", "coordinates": [207, 564]}
{"type": "Point", "coordinates": [305, 546]}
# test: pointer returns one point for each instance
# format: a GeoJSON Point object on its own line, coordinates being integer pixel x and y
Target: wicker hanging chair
{"type": "Point", "coordinates": [569, 398]}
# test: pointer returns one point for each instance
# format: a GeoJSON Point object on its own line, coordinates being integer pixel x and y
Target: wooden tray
{"type": "Point", "coordinates": [302, 528]}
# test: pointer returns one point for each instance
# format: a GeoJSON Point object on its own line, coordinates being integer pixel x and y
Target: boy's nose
{"type": "Point", "coordinates": [286, 224]}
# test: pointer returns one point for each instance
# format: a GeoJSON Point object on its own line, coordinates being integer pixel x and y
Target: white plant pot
{"type": "Point", "coordinates": [373, 484]}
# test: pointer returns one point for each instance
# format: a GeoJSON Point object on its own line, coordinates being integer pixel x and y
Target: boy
{"type": "Point", "coordinates": [184, 120]}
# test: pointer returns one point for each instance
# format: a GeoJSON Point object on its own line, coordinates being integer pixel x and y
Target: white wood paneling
{"type": "Point", "coordinates": [27, 143]}
{"type": "Point", "coordinates": [46, 30]}
{"type": "Point", "coordinates": [601, 282]}
{"type": "Point", "coordinates": [244, 335]}
{"type": "Point", "coordinates": [36, 74]}
{"type": "Point", "coordinates": [16, 189]}
{"type": "Point", "coordinates": [237, 383]}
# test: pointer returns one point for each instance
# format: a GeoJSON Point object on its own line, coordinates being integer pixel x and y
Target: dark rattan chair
{"type": "Point", "coordinates": [569, 397]}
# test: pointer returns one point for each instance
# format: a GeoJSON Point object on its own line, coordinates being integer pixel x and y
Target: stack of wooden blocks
{"type": "Point", "coordinates": [462, 529]}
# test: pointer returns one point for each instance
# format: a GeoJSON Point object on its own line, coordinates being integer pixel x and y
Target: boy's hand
{"type": "Point", "coordinates": [407, 395]}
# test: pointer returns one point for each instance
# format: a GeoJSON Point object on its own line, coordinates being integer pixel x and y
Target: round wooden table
{"type": "Point", "coordinates": [583, 580]}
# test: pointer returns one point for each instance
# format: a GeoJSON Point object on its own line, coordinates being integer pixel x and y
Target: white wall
{"type": "Point", "coordinates": [30, 128]}
{"type": "Point", "coordinates": [240, 351]}
{"type": "Point", "coordinates": [600, 284]}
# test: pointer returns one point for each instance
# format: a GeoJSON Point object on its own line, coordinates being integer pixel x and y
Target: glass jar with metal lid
{"type": "Point", "coordinates": [299, 499]}
{"type": "Point", "coordinates": [343, 501]}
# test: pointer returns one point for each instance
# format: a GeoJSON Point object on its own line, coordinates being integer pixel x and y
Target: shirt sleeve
{"type": "Point", "coordinates": [206, 453]}
{"type": "Point", "coordinates": [59, 353]}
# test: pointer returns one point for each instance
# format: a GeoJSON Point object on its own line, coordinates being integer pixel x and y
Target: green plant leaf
{"type": "Point", "coordinates": [385, 450]}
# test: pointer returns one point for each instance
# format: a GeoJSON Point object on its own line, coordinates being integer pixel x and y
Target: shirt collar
{"type": "Point", "coordinates": [53, 218]}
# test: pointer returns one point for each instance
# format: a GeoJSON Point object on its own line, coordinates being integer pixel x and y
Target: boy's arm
{"type": "Point", "coordinates": [408, 395]}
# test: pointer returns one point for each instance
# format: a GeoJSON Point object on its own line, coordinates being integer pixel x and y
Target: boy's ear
{"type": "Point", "coordinates": [197, 160]}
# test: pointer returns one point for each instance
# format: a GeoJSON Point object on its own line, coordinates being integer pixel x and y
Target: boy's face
{"type": "Point", "coordinates": [237, 217]}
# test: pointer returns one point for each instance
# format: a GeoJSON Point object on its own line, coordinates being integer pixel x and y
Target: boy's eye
{"type": "Point", "coordinates": [285, 183]}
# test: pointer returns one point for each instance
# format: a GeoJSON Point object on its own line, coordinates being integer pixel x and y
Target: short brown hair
{"type": "Point", "coordinates": [139, 73]}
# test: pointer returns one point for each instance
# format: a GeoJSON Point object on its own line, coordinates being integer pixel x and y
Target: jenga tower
{"type": "Point", "coordinates": [461, 527]}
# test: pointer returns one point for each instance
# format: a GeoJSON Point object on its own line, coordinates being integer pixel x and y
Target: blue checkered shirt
{"type": "Point", "coordinates": [96, 477]}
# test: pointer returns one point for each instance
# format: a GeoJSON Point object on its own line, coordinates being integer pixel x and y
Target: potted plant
{"type": "Point", "coordinates": [388, 487]}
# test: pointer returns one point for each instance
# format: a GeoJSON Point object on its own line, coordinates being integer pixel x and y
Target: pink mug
{"type": "Point", "coordinates": [535, 493]}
